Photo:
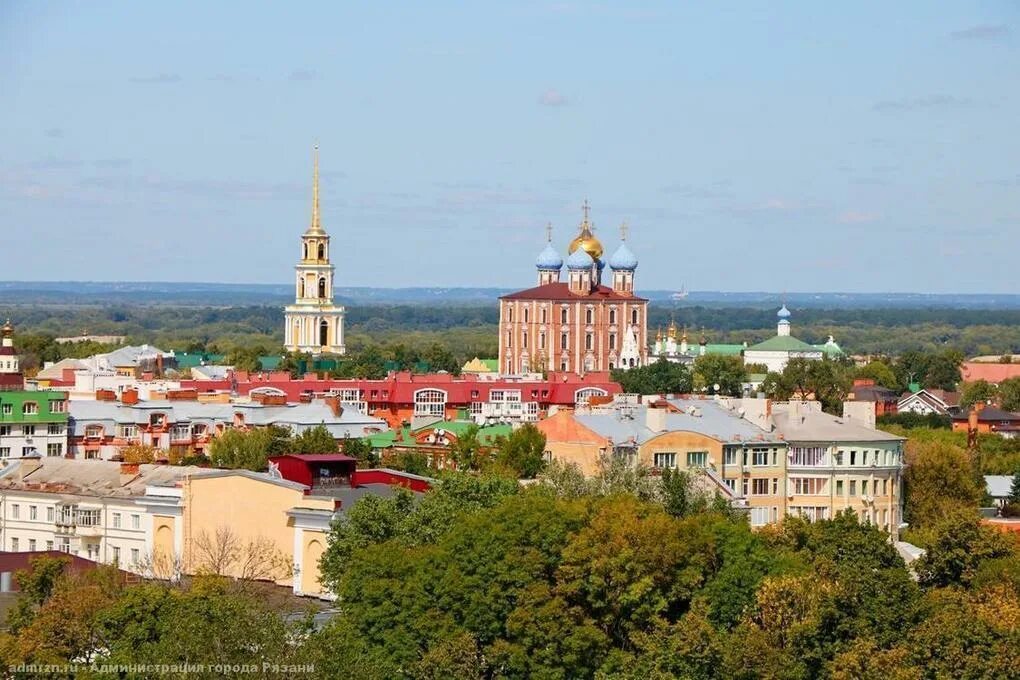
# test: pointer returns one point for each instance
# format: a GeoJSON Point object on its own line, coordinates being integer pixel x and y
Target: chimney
{"type": "Point", "coordinates": [655, 417]}
{"type": "Point", "coordinates": [128, 471]}
{"type": "Point", "coordinates": [129, 396]}
{"type": "Point", "coordinates": [333, 402]}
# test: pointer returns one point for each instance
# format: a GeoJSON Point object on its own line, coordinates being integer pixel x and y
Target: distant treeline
{"type": "Point", "coordinates": [470, 329]}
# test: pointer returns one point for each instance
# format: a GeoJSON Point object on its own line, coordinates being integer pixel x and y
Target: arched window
{"type": "Point", "coordinates": [323, 333]}
{"type": "Point", "coordinates": [589, 315]}
{"type": "Point", "coordinates": [588, 341]}
{"type": "Point", "coordinates": [322, 288]}
{"type": "Point", "coordinates": [541, 340]}
{"type": "Point", "coordinates": [525, 315]}
{"type": "Point", "coordinates": [524, 340]}
{"type": "Point", "coordinates": [563, 315]}
{"type": "Point", "coordinates": [634, 316]}
{"type": "Point", "coordinates": [432, 402]}
{"type": "Point", "coordinates": [322, 251]}
{"type": "Point", "coordinates": [301, 287]}
{"type": "Point", "coordinates": [304, 251]}
{"type": "Point", "coordinates": [543, 315]}
{"type": "Point", "coordinates": [612, 316]}
{"type": "Point", "coordinates": [582, 396]}
{"type": "Point", "coordinates": [612, 341]}
{"type": "Point", "coordinates": [509, 339]}
{"type": "Point", "coordinates": [510, 313]}
{"type": "Point", "coordinates": [563, 341]}
{"type": "Point", "coordinates": [93, 431]}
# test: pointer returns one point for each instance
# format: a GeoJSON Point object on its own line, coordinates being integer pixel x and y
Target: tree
{"type": "Point", "coordinates": [465, 450]}
{"type": "Point", "coordinates": [316, 439]}
{"type": "Point", "coordinates": [523, 451]}
{"type": "Point", "coordinates": [727, 372]}
{"type": "Point", "coordinates": [978, 391]}
{"type": "Point", "coordinates": [959, 547]}
{"type": "Point", "coordinates": [1014, 490]}
{"type": "Point", "coordinates": [139, 453]}
{"type": "Point", "coordinates": [36, 586]}
{"type": "Point", "coordinates": [359, 449]}
{"type": "Point", "coordinates": [881, 373]}
{"type": "Point", "coordinates": [224, 553]}
{"type": "Point", "coordinates": [661, 377]}
{"type": "Point", "coordinates": [249, 449]}
{"type": "Point", "coordinates": [1009, 394]}
{"type": "Point", "coordinates": [939, 479]}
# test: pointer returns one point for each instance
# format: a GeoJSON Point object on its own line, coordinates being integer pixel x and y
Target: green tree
{"type": "Point", "coordinates": [939, 479]}
{"type": "Point", "coordinates": [249, 449]}
{"type": "Point", "coordinates": [523, 451]}
{"type": "Point", "coordinates": [960, 545]}
{"type": "Point", "coordinates": [466, 449]}
{"type": "Point", "coordinates": [1009, 394]}
{"type": "Point", "coordinates": [661, 377]}
{"type": "Point", "coordinates": [727, 372]}
{"type": "Point", "coordinates": [316, 439]}
{"type": "Point", "coordinates": [881, 373]}
{"type": "Point", "coordinates": [1014, 489]}
{"type": "Point", "coordinates": [360, 449]}
{"type": "Point", "coordinates": [35, 585]}
{"type": "Point", "coordinates": [979, 391]}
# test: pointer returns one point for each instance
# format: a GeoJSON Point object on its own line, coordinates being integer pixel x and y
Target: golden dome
{"type": "Point", "coordinates": [586, 240]}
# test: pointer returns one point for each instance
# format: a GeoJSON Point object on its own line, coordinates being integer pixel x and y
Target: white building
{"type": "Point", "coordinates": [313, 323]}
{"type": "Point", "coordinates": [777, 351]}
{"type": "Point", "coordinates": [102, 511]}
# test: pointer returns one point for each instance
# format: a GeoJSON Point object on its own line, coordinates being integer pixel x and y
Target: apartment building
{"type": "Point", "coordinates": [33, 422]}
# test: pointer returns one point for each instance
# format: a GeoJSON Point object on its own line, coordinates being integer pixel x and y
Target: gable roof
{"type": "Point", "coordinates": [563, 427]}
{"type": "Point", "coordinates": [783, 343]}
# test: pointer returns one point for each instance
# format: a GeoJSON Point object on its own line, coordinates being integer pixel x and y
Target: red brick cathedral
{"type": "Point", "coordinates": [579, 325]}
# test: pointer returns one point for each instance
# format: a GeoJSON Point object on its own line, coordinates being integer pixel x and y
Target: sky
{"type": "Point", "coordinates": [797, 146]}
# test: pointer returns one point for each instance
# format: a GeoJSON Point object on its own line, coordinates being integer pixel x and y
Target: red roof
{"type": "Point", "coordinates": [400, 387]}
{"type": "Point", "coordinates": [561, 291]}
{"type": "Point", "coordinates": [993, 373]}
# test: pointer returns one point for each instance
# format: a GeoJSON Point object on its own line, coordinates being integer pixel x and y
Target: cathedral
{"type": "Point", "coordinates": [313, 323]}
{"type": "Point", "coordinates": [579, 325]}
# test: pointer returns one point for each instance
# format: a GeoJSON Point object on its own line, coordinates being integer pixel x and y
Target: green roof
{"type": "Point", "coordinates": [491, 364]}
{"type": "Point", "coordinates": [270, 363]}
{"type": "Point", "coordinates": [833, 350]}
{"type": "Point", "coordinates": [194, 359]}
{"type": "Point", "coordinates": [783, 343]}
{"type": "Point", "coordinates": [731, 350]}
{"type": "Point", "coordinates": [486, 435]}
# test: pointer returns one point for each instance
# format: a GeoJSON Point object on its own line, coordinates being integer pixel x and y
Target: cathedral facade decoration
{"type": "Point", "coordinates": [314, 324]}
{"type": "Point", "coordinates": [581, 324]}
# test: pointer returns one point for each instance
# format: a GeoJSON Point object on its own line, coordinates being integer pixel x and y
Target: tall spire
{"type": "Point", "coordinates": [316, 226]}
{"type": "Point", "coordinates": [624, 230]}
{"type": "Point", "coordinates": [586, 209]}
{"type": "Point", "coordinates": [548, 232]}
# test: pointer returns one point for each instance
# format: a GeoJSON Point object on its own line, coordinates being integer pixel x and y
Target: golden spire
{"type": "Point", "coordinates": [586, 240]}
{"type": "Point", "coordinates": [658, 335]}
{"type": "Point", "coordinates": [316, 226]}
{"type": "Point", "coordinates": [671, 330]}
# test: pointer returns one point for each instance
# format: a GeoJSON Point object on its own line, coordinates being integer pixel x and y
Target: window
{"type": "Point", "coordinates": [807, 486]}
{"type": "Point", "coordinates": [582, 396]}
{"type": "Point", "coordinates": [885, 487]}
{"type": "Point", "coordinates": [65, 544]}
{"type": "Point", "coordinates": [5, 452]}
{"type": "Point", "coordinates": [136, 522]}
{"type": "Point", "coordinates": [27, 451]}
{"type": "Point", "coordinates": [838, 460]}
{"type": "Point", "coordinates": [588, 341]}
{"type": "Point", "coordinates": [864, 487]}
{"type": "Point", "coordinates": [807, 455]}
{"type": "Point", "coordinates": [730, 457]}
{"type": "Point", "coordinates": [853, 458]}
{"type": "Point", "coordinates": [612, 316]}
{"type": "Point", "coordinates": [588, 315]}
{"type": "Point", "coordinates": [732, 484]}
{"type": "Point", "coordinates": [49, 545]}
{"type": "Point", "coordinates": [697, 459]}
{"type": "Point", "coordinates": [541, 340]}
{"type": "Point", "coordinates": [525, 315]}
{"type": "Point", "coordinates": [760, 457]}
{"type": "Point", "coordinates": [33, 512]}
{"type": "Point", "coordinates": [542, 315]}
{"type": "Point", "coordinates": [58, 406]}
{"type": "Point", "coordinates": [839, 487]}
{"type": "Point", "coordinates": [28, 430]}
{"type": "Point", "coordinates": [759, 517]}
{"type": "Point", "coordinates": [30, 408]}
{"type": "Point", "coordinates": [55, 449]}
{"type": "Point", "coordinates": [116, 555]}
{"type": "Point", "coordinates": [7, 409]}
{"type": "Point", "coordinates": [5, 430]}
{"type": "Point", "coordinates": [760, 487]}
{"type": "Point", "coordinates": [49, 514]}
{"type": "Point", "coordinates": [54, 428]}
{"type": "Point", "coordinates": [31, 545]}
{"type": "Point", "coordinates": [14, 545]}
{"type": "Point", "coordinates": [116, 520]}
{"type": "Point", "coordinates": [853, 487]}
{"type": "Point", "coordinates": [563, 342]}
{"type": "Point", "coordinates": [744, 488]}
{"type": "Point", "coordinates": [664, 460]}
{"type": "Point", "coordinates": [524, 339]}
{"type": "Point", "coordinates": [563, 315]}
{"type": "Point", "coordinates": [809, 513]}
{"type": "Point", "coordinates": [94, 431]}
{"type": "Point", "coordinates": [634, 316]}
{"type": "Point", "coordinates": [430, 403]}
{"type": "Point", "coordinates": [15, 511]}
{"type": "Point", "coordinates": [134, 555]}
{"type": "Point", "coordinates": [775, 486]}
{"type": "Point", "coordinates": [509, 339]}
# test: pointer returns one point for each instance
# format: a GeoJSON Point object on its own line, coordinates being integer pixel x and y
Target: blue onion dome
{"type": "Point", "coordinates": [623, 258]}
{"type": "Point", "coordinates": [579, 259]}
{"type": "Point", "coordinates": [549, 258]}
{"type": "Point", "coordinates": [783, 313]}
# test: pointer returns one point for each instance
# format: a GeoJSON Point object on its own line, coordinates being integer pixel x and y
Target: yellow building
{"type": "Point", "coordinates": [256, 526]}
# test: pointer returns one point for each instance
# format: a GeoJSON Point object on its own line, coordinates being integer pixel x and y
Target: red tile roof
{"type": "Point", "coordinates": [561, 291]}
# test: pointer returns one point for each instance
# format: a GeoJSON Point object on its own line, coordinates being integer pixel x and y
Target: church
{"type": "Point", "coordinates": [581, 324]}
{"type": "Point", "coordinates": [314, 324]}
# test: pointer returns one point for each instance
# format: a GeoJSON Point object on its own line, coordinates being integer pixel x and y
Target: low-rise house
{"type": "Point", "coordinates": [184, 425]}
{"type": "Point", "coordinates": [434, 441]}
{"type": "Point", "coordinates": [985, 419]}
{"type": "Point", "coordinates": [999, 488]}
{"type": "Point", "coordinates": [885, 400]}
{"type": "Point", "coordinates": [928, 402]}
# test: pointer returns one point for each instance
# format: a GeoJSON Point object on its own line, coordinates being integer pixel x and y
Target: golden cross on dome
{"type": "Point", "coordinates": [586, 207]}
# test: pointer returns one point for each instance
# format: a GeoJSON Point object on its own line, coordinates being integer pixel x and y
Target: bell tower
{"type": "Point", "coordinates": [313, 323]}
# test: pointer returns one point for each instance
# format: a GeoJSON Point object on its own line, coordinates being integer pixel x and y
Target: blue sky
{"type": "Point", "coordinates": [870, 146]}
